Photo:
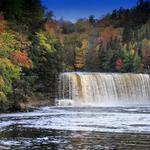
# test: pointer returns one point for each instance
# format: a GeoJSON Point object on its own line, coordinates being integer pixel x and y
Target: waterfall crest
{"type": "Point", "coordinates": [79, 89]}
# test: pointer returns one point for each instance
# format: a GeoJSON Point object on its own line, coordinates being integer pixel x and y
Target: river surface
{"type": "Point", "coordinates": [85, 128]}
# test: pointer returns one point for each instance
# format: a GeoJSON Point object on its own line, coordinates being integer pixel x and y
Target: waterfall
{"type": "Point", "coordinates": [80, 89]}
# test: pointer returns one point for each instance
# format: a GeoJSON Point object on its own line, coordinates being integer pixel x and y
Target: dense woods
{"type": "Point", "coordinates": [35, 48]}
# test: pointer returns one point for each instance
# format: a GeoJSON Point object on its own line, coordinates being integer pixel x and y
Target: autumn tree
{"type": "Point", "coordinates": [13, 58]}
{"type": "Point", "coordinates": [46, 54]}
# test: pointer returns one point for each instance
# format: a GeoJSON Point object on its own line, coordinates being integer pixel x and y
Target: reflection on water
{"type": "Point", "coordinates": [77, 128]}
{"type": "Point", "coordinates": [30, 138]}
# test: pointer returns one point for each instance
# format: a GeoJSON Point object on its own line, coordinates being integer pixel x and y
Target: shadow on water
{"type": "Point", "coordinates": [17, 137]}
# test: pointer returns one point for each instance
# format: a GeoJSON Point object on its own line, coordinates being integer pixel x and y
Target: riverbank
{"type": "Point", "coordinates": [35, 102]}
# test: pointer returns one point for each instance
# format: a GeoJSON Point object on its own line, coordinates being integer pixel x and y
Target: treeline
{"type": "Point", "coordinates": [35, 48]}
{"type": "Point", "coordinates": [119, 42]}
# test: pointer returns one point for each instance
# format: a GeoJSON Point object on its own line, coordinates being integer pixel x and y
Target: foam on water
{"type": "Point", "coordinates": [106, 119]}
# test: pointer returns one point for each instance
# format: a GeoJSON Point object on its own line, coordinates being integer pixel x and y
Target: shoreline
{"type": "Point", "coordinates": [35, 102]}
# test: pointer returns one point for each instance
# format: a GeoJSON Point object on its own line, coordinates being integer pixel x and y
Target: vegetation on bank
{"type": "Point", "coordinates": [34, 47]}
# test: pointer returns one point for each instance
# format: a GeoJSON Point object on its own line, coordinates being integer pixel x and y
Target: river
{"type": "Point", "coordinates": [85, 128]}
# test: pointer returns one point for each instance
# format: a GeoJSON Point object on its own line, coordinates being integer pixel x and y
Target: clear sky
{"type": "Point", "coordinates": [75, 9]}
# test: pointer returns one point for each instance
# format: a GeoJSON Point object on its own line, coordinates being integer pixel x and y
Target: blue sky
{"type": "Point", "coordinates": [75, 9]}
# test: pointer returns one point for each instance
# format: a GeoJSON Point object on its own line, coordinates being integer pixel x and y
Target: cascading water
{"type": "Point", "coordinates": [99, 89]}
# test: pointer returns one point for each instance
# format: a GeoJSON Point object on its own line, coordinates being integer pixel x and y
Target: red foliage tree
{"type": "Point", "coordinates": [119, 64]}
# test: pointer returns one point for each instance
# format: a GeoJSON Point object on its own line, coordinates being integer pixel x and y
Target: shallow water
{"type": "Point", "coordinates": [77, 128]}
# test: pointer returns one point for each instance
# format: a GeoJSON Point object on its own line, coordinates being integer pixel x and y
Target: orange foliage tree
{"type": "Point", "coordinates": [3, 24]}
{"type": "Point", "coordinates": [22, 59]}
{"type": "Point", "coordinates": [110, 33]}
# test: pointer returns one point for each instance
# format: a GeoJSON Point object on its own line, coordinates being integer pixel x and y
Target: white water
{"type": "Point", "coordinates": [103, 89]}
{"type": "Point", "coordinates": [102, 119]}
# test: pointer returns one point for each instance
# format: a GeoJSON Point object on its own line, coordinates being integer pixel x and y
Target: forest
{"type": "Point", "coordinates": [35, 47]}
